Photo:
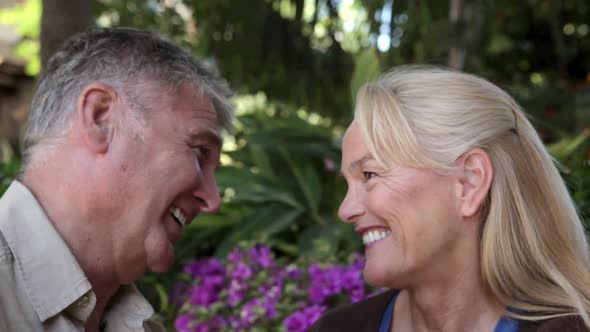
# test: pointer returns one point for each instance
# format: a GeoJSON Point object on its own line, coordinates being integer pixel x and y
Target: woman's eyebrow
{"type": "Point", "coordinates": [358, 163]}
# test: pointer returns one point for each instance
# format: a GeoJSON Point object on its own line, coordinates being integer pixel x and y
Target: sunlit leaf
{"type": "Point", "coordinates": [366, 68]}
{"type": "Point", "coordinates": [567, 145]}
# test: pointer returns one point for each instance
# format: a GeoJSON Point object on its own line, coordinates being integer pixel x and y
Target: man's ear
{"type": "Point", "coordinates": [476, 174]}
{"type": "Point", "coordinates": [95, 115]}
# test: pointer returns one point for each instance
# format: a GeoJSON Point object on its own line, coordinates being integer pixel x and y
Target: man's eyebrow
{"type": "Point", "coordinates": [359, 162]}
{"type": "Point", "coordinates": [210, 135]}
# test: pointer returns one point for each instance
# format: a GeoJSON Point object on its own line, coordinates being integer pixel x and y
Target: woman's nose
{"type": "Point", "coordinates": [351, 207]}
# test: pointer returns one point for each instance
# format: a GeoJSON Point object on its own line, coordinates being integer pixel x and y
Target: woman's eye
{"type": "Point", "coordinates": [368, 175]}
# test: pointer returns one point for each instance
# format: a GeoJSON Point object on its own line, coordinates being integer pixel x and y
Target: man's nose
{"type": "Point", "coordinates": [208, 195]}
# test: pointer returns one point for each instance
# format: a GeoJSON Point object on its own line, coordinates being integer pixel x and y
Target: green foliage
{"type": "Point", "coordinates": [568, 145]}
{"type": "Point", "coordinates": [280, 175]}
{"type": "Point", "coordinates": [8, 171]}
{"type": "Point", "coordinates": [250, 290]}
{"type": "Point", "coordinates": [573, 154]}
{"type": "Point", "coordinates": [27, 19]}
{"type": "Point", "coordinates": [281, 184]}
{"type": "Point", "coordinates": [366, 68]}
{"type": "Point", "coordinates": [287, 49]}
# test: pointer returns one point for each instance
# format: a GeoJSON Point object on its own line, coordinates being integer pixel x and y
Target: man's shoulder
{"type": "Point", "coordinates": [5, 254]}
{"type": "Point", "coordinates": [9, 203]}
{"type": "Point", "coordinates": [359, 316]}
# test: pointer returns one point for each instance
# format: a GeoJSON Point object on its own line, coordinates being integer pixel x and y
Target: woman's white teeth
{"type": "Point", "coordinates": [178, 215]}
{"type": "Point", "coordinates": [374, 236]}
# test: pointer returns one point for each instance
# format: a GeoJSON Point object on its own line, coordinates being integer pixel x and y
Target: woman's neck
{"type": "Point", "coordinates": [460, 306]}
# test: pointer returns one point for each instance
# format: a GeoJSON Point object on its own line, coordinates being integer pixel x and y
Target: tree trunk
{"type": "Point", "coordinates": [456, 58]}
{"type": "Point", "coordinates": [60, 20]}
{"type": "Point", "coordinates": [557, 36]}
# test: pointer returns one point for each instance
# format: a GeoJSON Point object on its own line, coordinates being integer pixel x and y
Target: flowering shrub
{"type": "Point", "coordinates": [250, 290]}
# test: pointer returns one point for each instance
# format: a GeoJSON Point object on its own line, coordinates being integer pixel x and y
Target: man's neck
{"type": "Point", "coordinates": [71, 215]}
{"type": "Point", "coordinates": [95, 319]}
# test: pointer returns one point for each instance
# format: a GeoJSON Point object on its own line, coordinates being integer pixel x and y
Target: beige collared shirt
{"type": "Point", "coordinates": [42, 287]}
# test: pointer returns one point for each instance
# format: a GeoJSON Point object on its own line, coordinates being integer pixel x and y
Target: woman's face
{"type": "Point", "coordinates": [408, 218]}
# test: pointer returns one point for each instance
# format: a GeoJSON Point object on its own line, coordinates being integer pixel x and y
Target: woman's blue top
{"type": "Point", "coordinates": [505, 324]}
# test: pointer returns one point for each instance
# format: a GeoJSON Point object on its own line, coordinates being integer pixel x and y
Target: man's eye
{"type": "Point", "coordinates": [368, 175]}
{"type": "Point", "coordinates": [200, 152]}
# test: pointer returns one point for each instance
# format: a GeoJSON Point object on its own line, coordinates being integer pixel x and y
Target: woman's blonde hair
{"type": "Point", "coordinates": [534, 252]}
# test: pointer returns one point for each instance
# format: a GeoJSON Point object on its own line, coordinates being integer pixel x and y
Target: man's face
{"type": "Point", "coordinates": [163, 177]}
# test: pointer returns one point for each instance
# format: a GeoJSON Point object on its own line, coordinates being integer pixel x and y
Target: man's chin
{"type": "Point", "coordinates": [161, 268]}
{"type": "Point", "coordinates": [163, 263]}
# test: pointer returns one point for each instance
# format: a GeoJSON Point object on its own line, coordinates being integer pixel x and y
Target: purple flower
{"type": "Point", "coordinates": [296, 322]}
{"type": "Point", "coordinates": [313, 313]}
{"type": "Point", "coordinates": [249, 288]}
{"type": "Point", "coordinates": [177, 296]}
{"type": "Point", "coordinates": [248, 312]}
{"type": "Point", "coordinates": [351, 278]}
{"type": "Point", "coordinates": [236, 323]}
{"type": "Point", "coordinates": [215, 281]}
{"type": "Point", "coordinates": [182, 323]}
{"type": "Point", "coordinates": [317, 294]}
{"type": "Point", "coordinates": [293, 272]}
{"type": "Point", "coordinates": [264, 257]}
{"type": "Point", "coordinates": [237, 292]}
{"type": "Point", "coordinates": [241, 271]}
{"type": "Point", "coordinates": [203, 327]}
{"type": "Point", "coordinates": [358, 263]}
{"type": "Point", "coordinates": [272, 293]}
{"type": "Point", "coordinates": [270, 309]}
{"type": "Point", "coordinates": [235, 256]}
{"type": "Point", "coordinates": [303, 319]}
{"type": "Point", "coordinates": [201, 268]}
{"type": "Point", "coordinates": [218, 322]}
{"type": "Point", "coordinates": [202, 296]}
{"type": "Point", "coordinates": [315, 271]}
{"type": "Point", "coordinates": [357, 294]}
{"type": "Point", "coordinates": [325, 282]}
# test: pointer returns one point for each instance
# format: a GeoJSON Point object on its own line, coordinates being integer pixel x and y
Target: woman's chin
{"type": "Point", "coordinates": [376, 277]}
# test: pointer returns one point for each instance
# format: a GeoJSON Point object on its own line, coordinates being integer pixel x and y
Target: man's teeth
{"type": "Point", "coordinates": [374, 236]}
{"type": "Point", "coordinates": [178, 215]}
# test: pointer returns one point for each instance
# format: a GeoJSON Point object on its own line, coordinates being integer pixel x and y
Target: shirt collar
{"type": "Point", "coordinates": [52, 278]}
{"type": "Point", "coordinates": [128, 310]}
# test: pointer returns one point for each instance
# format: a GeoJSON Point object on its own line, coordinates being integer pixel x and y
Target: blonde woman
{"type": "Point", "coordinates": [462, 211]}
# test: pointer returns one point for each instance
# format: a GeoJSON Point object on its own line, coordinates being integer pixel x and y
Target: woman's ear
{"type": "Point", "coordinates": [476, 174]}
{"type": "Point", "coordinates": [95, 116]}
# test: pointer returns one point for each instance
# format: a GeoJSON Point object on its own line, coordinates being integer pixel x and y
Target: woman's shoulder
{"type": "Point", "coordinates": [364, 315]}
{"type": "Point", "coordinates": [560, 324]}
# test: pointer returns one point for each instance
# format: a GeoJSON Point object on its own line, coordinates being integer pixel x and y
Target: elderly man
{"type": "Point", "coordinates": [122, 144]}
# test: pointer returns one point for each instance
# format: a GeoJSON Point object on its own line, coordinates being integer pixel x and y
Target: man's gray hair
{"type": "Point", "coordinates": [124, 58]}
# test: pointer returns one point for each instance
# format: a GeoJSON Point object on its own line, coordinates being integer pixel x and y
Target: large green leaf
{"type": "Point", "coordinates": [319, 242]}
{"type": "Point", "coordinates": [366, 68]}
{"type": "Point", "coordinates": [307, 179]}
{"type": "Point", "coordinates": [567, 145]}
{"type": "Point", "coordinates": [261, 161]}
{"type": "Point", "coordinates": [258, 193]}
{"type": "Point", "coordinates": [258, 227]}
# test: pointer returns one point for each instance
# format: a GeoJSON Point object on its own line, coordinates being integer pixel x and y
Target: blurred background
{"type": "Point", "coordinates": [296, 65]}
